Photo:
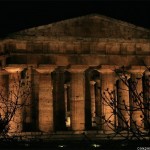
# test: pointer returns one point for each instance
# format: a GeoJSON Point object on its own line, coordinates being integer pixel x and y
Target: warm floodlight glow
{"type": "Point", "coordinates": [68, 122]}
{"type": "Point", "coordinates": [13, 69]}
{"type": "Point", "coordinates": [61, 146]}
{"type": "Point", "coordinates": [96, 145]}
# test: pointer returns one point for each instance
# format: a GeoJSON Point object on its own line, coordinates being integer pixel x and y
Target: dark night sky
{"type": "Point", "coordinates": [18, 15]}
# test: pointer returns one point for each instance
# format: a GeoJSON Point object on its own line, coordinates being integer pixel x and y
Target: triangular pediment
{"type": "Point", "coordinates": [94, 26]}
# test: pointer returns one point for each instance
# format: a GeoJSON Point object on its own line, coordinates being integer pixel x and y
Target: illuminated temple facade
{"type": "Point", "coordinates": [70, 64]}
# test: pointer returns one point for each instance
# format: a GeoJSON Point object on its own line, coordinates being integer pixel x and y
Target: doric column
{"type": "Point", "coordinates": [16, 122]}
{"type": "Point", "coordinates": [93, 105]}
{"type": "Point", "coordinates": [107, 90]}
{"type": "Point", "coordinates": [67, 104]}
{"type": "Point", "coordinates": [146, 101]}
{"type": "Point", "coordinates": [66, 97]}
{"type": "Point", "coordinates": [123, 106]}
{"type": "Point", "coordinates": [3, 92]}
{"type": "Point", "coordinates": [98, 102]}
{"type": "Point", "coordinates": [136, 96]}
{"type": "Point", "coordinates": [45, 106]}
{"type": "Point", "coordinates": [77, 97]}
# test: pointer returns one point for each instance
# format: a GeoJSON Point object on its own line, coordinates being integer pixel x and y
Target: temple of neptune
{"type": "Point", "coordinates": [70, 63]}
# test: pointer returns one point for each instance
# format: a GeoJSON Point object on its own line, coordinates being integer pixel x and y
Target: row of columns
{"type": "Point", "coordinates": [77, 89]}
{"type": "Point", "coordinates": [130, 102]}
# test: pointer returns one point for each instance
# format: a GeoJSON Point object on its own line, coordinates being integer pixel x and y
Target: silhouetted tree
{"type": "Point", "coordinates": [131, 116]}
{"type": "Point", "coordinates": [12, 102]}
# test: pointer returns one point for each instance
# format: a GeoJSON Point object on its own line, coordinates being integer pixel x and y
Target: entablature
{"type": "Point", "coordinates": [76, 46]}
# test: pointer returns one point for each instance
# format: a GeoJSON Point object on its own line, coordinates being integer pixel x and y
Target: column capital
{"type": "Point", "coordinates": [14, 69]}
{"type": "Point", "coordinates": [46, 69]}
{"type": "Point", "coordinates": [125, 76]}
{"type": "Point", "coordinates": [77, 68]}
{"type": "Point", "coordinates": [92, 82]}
{"type": "Point", "coordinates": [120, 75]}
{"type": "Point", "coordinates": [137, 69]}
{"type": "Point", "coordinates": [106, 68]}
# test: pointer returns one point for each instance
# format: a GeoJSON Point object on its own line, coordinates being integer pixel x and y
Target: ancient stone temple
{"type": "Point", "coordinates": [70, 64]}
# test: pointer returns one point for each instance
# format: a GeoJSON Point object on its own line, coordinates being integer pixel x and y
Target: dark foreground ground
{"type": "Point", "coordinates": [76, 145]}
